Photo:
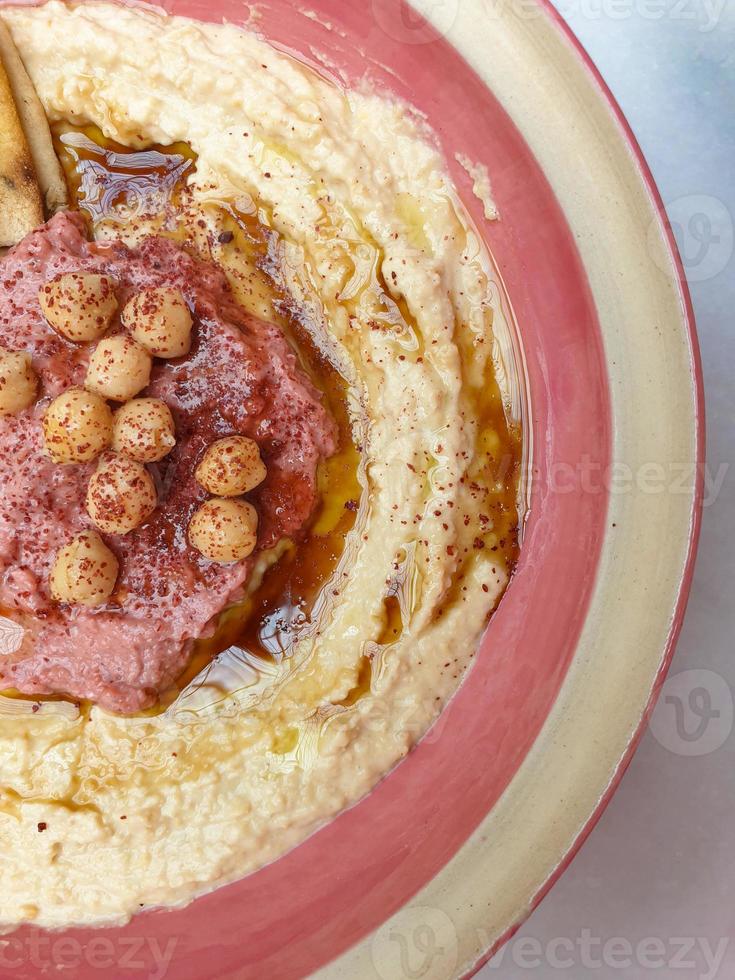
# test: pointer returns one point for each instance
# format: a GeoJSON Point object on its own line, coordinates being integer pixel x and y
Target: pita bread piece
{"type": "Point", "coordinates": [21, 209]}
{"type": "Point", "coordinates": [35, 126]}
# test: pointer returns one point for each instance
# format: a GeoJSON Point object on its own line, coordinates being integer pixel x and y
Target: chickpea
{"type": "Point", "coordinates": [231, 466]}
{"type": "Point", "coordinates": [79, 305]}
{"type": "Point", "coordinates": [121, 494]}
{"type": "Point", "coordinates": [143, 429]}
{"type": "Point", "coordinates": [224, 530]}
{"type": "Point", "coordinates": [18, 381]}
{"type": "Point", "coordinates": [160, 320]}
{"type": "Point", "coordinates": [118, 368]}
{"type": "Point", "coordinates": [77, 426]}
{"type": "Point", "coordinates": [85, 571]}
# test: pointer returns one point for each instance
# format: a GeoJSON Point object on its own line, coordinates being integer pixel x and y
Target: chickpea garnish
{"type": "Point", "coordinates": [79, 305]}
{"type": "Point", "coordinates": [84, 572]}
{"type": "Point", "coordinates": [160, 320]}
{"type": "Point", "coordinates": [143, 429]}
{"type": "Point", "coordinates": [77, 426]}
{"type": "Point", "coordinates": [231, 466]}
{"type": "Point", "coordinates": [224, 530]}
{"type": "Point", "coordinates": [121, 494]}
{"type": "Point", "coordinates": [118, 368]}
{"type": "Point", "coordinates": [18, 381]}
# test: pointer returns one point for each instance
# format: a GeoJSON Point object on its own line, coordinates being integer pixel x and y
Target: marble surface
{"type": "Point", "coordinates": [652, 892]}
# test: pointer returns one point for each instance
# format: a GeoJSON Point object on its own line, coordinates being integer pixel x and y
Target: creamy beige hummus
{"type": "Point", "coordinates": [399, 288]}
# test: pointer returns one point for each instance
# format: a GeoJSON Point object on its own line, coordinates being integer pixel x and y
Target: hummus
{"type": "Point", "coordinates": [360, 237]}
{"type": "Point", "coordinates": [242, 377]}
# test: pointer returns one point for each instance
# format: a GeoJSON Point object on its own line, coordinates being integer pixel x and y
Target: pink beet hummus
{"type": "Point", "coordinates": [241, 377]}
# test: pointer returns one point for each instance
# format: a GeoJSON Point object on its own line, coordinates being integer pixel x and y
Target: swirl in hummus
{"type": "Point", "coordinates": [365, 244]}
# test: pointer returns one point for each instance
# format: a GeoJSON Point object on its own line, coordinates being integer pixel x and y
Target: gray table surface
{"type": "Point", "coordinates": [652, 890]}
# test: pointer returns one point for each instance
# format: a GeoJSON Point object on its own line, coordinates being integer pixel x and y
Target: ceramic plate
{"type": "Point", "coordinates": [450, 853]}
